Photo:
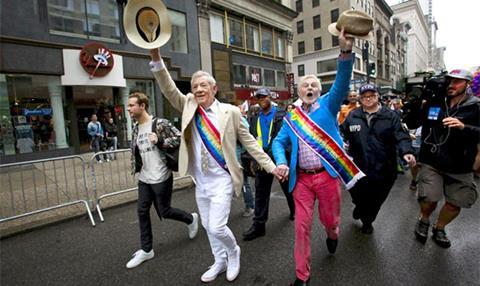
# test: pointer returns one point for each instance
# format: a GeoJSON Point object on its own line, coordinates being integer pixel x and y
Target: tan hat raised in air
{"type": "Point", "coordinates": [147, 23]}
{"type": "Point", "coordinates": [356, 24]}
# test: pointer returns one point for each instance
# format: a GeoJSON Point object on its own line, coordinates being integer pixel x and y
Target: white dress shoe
{"type": "Point", "coordinates": [193, 227]}
{"type": "Point", "coordinates": [213, 272]}
{"type": "Point", "coordinates": [233, 264]}
{"type": "Point", "coordinates": [139, 257]}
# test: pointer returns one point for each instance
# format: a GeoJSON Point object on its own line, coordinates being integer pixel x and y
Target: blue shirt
{"type": "Point", "coordinates": [265, 122]}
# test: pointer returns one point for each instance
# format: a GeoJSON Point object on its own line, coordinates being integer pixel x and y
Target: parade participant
{"type": "Point", "coordinates": [374, 132]}
{"type": "Point", "coordinates": [347, 108]}
{"type": "Point", "coordinates": [317, 158]}
{"type": "Point", "coordinates": [207, 151]}
{"type": "Point", "coordinates": [265, 127]}
{"type": "Point", "coordinates": [151, 138]}
{"type": "Point", "coordinates": [449, 145]}
{"type": "Point", "coordinates": [247, 190]}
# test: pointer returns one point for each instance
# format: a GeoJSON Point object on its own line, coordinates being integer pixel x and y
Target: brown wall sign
{"type": "Point", "coordinates": [96, 60]}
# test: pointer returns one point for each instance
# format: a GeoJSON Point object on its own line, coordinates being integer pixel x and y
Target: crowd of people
{"type": "Point", "coordinates": [315, 148]}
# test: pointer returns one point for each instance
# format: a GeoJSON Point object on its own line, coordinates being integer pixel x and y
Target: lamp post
{"type": "Point", "coordinates": [365, 59]}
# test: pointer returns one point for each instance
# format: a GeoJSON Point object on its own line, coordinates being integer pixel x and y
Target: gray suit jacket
{"type": "Point", "coordinates": [231, 129]}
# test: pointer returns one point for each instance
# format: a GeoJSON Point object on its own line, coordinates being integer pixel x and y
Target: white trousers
{"type": "Point", "coordinates": [214, 199]}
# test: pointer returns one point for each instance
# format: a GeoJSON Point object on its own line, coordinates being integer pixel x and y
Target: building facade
{"type": "Point", "coordinates": [50, 86]}
{"type": "Point", "coordinates": [315, 50]}
{"type": "Point", "coordinates": [246, 45]}
{"type": "Point", "coordinates": [417, 48]}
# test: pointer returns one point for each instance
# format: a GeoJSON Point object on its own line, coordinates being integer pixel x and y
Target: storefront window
{"type": "Point", "coordinates": [239, 74]}
{"type": "Point", "coordinates": [267, 42]}
{"type": "Point", "coordinates": [253, 41]}
{"type": "Point", "coordinates": [269, 77]}
{"type": "Point", "coordinates": [31, 114]}
{"type": "Point", "coordinates": [254, 76]}
{"type": "Point", "coordinates": [217, 30]}
{"type": "Point", "coordinates": [69, 17]}
{"type": "Point", "coordinates": [236, 33]}
{"type": "Point", "coordinates": [178, 41]}
{"type": "Point", "coordinates": [281, 79]}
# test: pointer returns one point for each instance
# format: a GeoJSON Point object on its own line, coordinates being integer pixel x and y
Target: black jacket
{"type": "Point", "coordinates": [450, 149]}
{"type": "Point", "coordinates": [374, 147]}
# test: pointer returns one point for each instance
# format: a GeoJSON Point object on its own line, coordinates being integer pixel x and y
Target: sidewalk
{"type": "Point", "coordinates": [52, 183]}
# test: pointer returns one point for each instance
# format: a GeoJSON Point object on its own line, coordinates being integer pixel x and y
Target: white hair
{"type": "Point", "coordinates": [305, 77]}
{"type": "Point", "coordinates": [200, 73]}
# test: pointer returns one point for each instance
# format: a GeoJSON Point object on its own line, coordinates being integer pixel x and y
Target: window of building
{"type": "Point", "coordinates": [253, 38]}
{"type": "Point", "coordinates": [326, 66]}
{"type": "Point", "coordinates": [334, 15]}
{"type": "Point", "coordinates": [267, 42]}
{"type": "Point", "coordinates": [315, 3]}
{"type": "Point", "coordinates": [69, 17]}
{"type": "Point", "coordinates": [301, 70]}
{"type": "Point", "coordinates": [316, 22]}
{"type": "Point", "coordinates": [300, 27]}
{"type": "Point", "coordinates": [239, 74]}
{"type": "Point", "coordinates": [217, 30]}
{"type": "Point", "coordinates": [29, 107]}
{"type": "Point", "coordinates": [299, 6]}
{"type": "Point", "coordinates": [178, 40]}
{"type": "Point", "coordinates": [281, 79]}
{"type": "Point", "coordinates": [236, 32]}
{"type": "Point", "coordinates": [301, 47]}
{"type": "Point", "coordinates": [269, 76]}
{"type": "Point", "coordinates": [334, 41]}
{"type": "Point", "coordinates": [280, 45]}
{"type": "Point", "coordinates": [317, 43]}
{"type": "Point", "coordinates": [254, 76]}
{"type": "Point", "coordinates": [358, 64]}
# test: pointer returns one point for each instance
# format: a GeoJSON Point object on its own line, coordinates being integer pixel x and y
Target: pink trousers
{"type": "Point", "coordinates": [309, 187]}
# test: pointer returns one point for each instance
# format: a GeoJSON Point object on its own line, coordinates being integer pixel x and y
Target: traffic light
{"type": "Point", "coordinates": [371, 69]}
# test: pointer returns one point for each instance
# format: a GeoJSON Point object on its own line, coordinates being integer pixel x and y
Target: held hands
{"type": "Point", "coordinates": [345, 42]}
{"type": "Point", "coordinates": [153, 138]}
{"type": "Point", "coordinates": [281, 172]}
{"type": "Point", "coordinates": [453, 122]}
{"type": "Point", "coordinates": [410, 159]}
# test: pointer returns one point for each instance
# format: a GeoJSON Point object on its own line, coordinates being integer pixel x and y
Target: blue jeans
{"type": "Point", "coordinates": [247, 193]}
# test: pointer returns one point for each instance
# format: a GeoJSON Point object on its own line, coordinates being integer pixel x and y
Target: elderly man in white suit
{"type": "Point", "coordinates": [216, 170]}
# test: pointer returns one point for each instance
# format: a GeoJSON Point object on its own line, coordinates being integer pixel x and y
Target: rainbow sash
{"type": "Point", "coordinates": [324, 146]}
{"type": "Point", "coordinates": [210, 137]}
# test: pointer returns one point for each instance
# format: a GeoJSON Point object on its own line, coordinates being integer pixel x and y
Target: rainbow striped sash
{"type": "Point", "coordinates": [210, 137]}
{"type": "Point", "coordinates": [324, 146]}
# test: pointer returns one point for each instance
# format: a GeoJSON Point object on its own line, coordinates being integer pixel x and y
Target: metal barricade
{"type": "Point", "coordinates": [33, 187]}
{"type": "Point", "coordinates": [113, 176]}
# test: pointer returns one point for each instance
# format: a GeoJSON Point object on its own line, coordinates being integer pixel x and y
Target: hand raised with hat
{"type": "Point", "coordinates": [346, 43]}
{"type": "Point", "coordinates": [155, 54]}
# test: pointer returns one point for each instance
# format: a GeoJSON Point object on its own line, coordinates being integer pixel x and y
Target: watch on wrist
{"type": "Point", "coordinates": [345, 51]}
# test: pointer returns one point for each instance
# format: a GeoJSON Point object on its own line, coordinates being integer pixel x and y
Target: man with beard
{"type": "Point", "coordinates": [449, 144]}
{"type": "Point", "coordinates": [374, 133]}
{"type": "Point", "coordinates": [265, 128]}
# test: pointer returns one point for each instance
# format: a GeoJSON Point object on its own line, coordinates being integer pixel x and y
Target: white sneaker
{"type": "Point", "coordinates": [100, 161]}
{"type": "Point", "coordinates": [213, 271]}
{"type": "Point", "coordinates": [193, 227]}
{"type": "Point", "coordinates": [233, 264]}
{"type": "Point", "coordinates": [139, 257]}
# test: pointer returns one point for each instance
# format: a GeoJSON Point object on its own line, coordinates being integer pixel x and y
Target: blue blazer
{"type": "Point", "coordinates": [325, 116]}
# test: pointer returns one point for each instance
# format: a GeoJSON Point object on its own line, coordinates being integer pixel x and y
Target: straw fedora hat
{"type": "Point", "coordinates": [356, 23]}
{"type": "Point", "coordinates": [147, 23]}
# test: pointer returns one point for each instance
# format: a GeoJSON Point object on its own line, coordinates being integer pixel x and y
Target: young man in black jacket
{"type": "Point", "coordinates": [450, 135]}
{"type": "Point", "coordinates": [374, 133]}
{"type": "Point", "coordinates": [150, 138]}
{"type": "Point", "coordinates": [265, 127]}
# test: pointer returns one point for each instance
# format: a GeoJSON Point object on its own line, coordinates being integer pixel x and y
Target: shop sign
{"type": "Point", "coordinates": [37, 112]}
{"type": "Point", "coordinates": [290, 84]}
{"type": "Point", "coordinates": [96, 60]}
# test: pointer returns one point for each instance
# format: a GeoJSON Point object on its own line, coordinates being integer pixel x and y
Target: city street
{"type": "Point", "coordinates": [74, 253]}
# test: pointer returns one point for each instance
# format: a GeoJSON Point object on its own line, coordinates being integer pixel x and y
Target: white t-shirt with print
{"type": "Point", "coordinates": [154, 170]}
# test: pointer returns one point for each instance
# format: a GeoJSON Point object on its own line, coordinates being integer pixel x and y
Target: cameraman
{"type": "Point", "coordinates": [449, 144]}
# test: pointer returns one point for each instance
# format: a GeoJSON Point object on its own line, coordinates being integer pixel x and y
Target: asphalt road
{"type": "Point", "coordinates": [74, 253]}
